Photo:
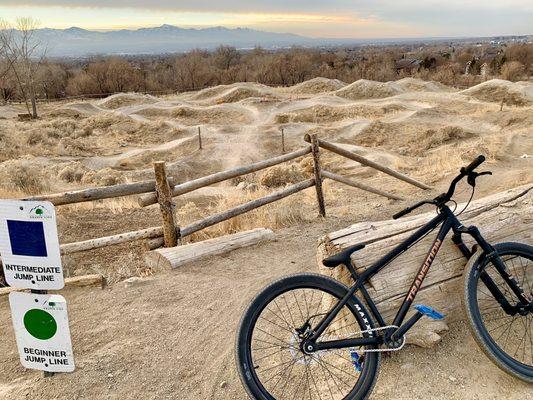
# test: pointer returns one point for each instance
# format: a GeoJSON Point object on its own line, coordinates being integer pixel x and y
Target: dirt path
{"type": "Point", "coordinates": [172, 337]}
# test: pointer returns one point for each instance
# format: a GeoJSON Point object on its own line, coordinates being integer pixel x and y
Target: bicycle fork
{"type": "Point", "coordinates": [525, 299]}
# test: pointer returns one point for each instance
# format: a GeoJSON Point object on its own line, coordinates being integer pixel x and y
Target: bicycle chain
{"type": "Point", "coordinates": [359, 350]}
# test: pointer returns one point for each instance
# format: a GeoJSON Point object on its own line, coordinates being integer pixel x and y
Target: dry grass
{"type": "Point", "coordinates": [281, 175]}
{"type": "Point", "coordinates": [23, 177]}
{"type": "Point", "coordinates": [286, 212]}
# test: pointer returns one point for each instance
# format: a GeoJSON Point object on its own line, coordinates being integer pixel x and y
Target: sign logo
{"type": "Point", "coordinates": [39, 212]}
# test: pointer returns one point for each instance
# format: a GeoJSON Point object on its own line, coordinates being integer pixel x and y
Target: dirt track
{"type": "Point", "coordinates": [172, 337]}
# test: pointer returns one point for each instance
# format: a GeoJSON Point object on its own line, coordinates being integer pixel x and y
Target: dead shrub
{"type": "Point", "coordinates": [512, 71]}
{"type": "Point", "coordinates": [72, 173]}
{"type": "Point", "coordinates": [281, 175]}
{"type": "Point", "coordinates": [25, 178]}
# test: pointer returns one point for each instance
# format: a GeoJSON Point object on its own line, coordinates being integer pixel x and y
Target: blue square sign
{"type": "Point", "coordinates": [27, 238]}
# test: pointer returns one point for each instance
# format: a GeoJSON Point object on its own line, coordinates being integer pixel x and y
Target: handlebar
{"type": "Point", "coordinates": [474, 164]}
{"type": "Point", "coordinates": [411, 208]}
{"type": "Point", "coordinates": [445, 197]}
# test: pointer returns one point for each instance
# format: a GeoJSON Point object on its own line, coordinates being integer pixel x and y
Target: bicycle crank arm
{"type": "Point", "coordinates": [421, 310]}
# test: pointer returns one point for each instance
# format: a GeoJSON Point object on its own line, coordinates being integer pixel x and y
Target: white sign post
{"type": "Point", "coordinates": [42, 331]}
{"type": "Point", "coordinates": [29, 245]}
{"type": "Point", "coordinates": [31, 258]}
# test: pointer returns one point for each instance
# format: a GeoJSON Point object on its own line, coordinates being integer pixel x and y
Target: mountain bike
{"type": "Point", "coordinates": [307, 336]}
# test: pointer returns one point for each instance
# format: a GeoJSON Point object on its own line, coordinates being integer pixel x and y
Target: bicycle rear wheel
{"type": "Point", "coordinates": [506, 338]}
{"type": "Point", "coordinates": [270, 361]}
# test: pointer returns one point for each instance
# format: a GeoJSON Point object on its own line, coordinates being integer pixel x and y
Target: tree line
{"type": "Point", "coordinates": [27, 75]}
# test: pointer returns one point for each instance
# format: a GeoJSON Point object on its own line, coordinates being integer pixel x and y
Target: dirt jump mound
{"type": "Point", "coordinates": [316, 86]}
{"type": "Point", "coordinates": [120, 100]}
{"type": "Point", "coordinates": [365, 89]}
{"type": "Point", "coordinates": [496, 90]}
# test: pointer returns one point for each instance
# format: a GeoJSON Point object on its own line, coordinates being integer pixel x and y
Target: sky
{"type": "Point", "coordinates": [313, 18]}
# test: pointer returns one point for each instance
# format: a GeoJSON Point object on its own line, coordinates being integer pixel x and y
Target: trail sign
{"type": "Point", "coordinates": [29, 245]}
{"type": "Point", "coordinates": [42, 331]}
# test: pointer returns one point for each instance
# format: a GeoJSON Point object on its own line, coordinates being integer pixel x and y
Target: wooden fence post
{"type": "Point", "coordinates": [164, 198]}
{"type": "Point", "coordinates": [199, 139]}
{"type": "Point", "coordinates": [315, 150]}
{"type": "Point", "coordinates": [282, 141]}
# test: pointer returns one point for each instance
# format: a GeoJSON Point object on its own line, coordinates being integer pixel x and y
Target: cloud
{"type": "Point", "coordinates": [406, 17]}
{"type": "Point", "coordinates": [378, 7]}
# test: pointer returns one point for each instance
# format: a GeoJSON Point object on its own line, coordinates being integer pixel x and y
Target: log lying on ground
{"type": "Point", "coordinates": [172, 257]}
{"type": "Point", "coordinates": [505, 216]}
{"type": "Point", "coordinates": [95, 280]}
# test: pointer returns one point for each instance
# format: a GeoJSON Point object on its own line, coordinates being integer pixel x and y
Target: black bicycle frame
{"type": "Point", "coordinates": [449, 222]}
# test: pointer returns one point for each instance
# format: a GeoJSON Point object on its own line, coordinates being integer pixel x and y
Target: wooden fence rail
{"type": "Point", "coordinates": [358, 185]}
{"type": "Point", "coordinates": [98, 193]}
{"type": "Point", "coordinates": [157, 232]}
{"type": "Point", "coordinates": [187, 187]}
{"type": "Point", "coordinates": [365, 161]}
{"type": "Point", "coordinates": [162, 189]}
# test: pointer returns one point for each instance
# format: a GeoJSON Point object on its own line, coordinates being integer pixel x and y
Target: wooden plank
{"type": "Point", "coordinates": [96, 280]}
{"type": "Point", "coordinates": [315, 151]}
{"type": "Point", "coordinates": [365, 161]}
{"type": "Point", "coordinates": [362, 186]}
{"type": "Point", "coordinates": [98, 193]}
{"type": "Point", "coordinates": [187, 187]}
{"type": "Point", "coordinates": [164, 198]}
{"type": "Point", "coordinates": [173, 257]}
{"type": "Point", "coordinates": [244, 208]}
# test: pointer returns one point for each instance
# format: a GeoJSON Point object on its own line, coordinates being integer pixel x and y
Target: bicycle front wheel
{"type": "Point", "coordinates": [505, 337]}
{"type": "Point", "coordinates": [270, 361]}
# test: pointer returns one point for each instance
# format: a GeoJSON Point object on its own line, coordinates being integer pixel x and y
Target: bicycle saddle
{"type": "Point", "coordinates": [343, 257]}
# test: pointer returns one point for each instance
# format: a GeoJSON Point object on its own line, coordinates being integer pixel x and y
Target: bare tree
{"type": "Point", "coordinates": [22, 53]}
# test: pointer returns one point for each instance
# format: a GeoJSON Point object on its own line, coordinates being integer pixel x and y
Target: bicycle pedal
{"type": "Point", "coordinates": [356, 360]}
{"type": "Point", "coordinates": [429, 312]}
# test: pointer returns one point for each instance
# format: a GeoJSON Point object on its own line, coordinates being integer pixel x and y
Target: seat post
{"type": "Point", "coordinates": [348, 264]}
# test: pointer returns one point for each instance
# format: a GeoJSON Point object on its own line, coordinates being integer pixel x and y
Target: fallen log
{"type": "Point", "coordinates": [505, 216]}
{"type": "Point", "coordinates": [173, 257]}
{"type": "Point", "coordinates": [96, 280]}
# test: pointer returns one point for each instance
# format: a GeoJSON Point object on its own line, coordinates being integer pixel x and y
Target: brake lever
{"type": "Point", "coordinates": [472, 176]}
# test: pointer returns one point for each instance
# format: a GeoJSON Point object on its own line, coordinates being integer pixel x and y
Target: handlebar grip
{"type": "Point", "coordinates": [402, 213]}
{"type": "Point", "coordinates": [474, 164]}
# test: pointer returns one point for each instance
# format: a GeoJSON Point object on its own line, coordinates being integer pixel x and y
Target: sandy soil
{"type": "Point", "coordinates": [171, 337]}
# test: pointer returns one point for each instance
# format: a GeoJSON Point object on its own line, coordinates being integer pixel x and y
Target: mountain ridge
{"type": "Point", "coordinates": [76, 42]}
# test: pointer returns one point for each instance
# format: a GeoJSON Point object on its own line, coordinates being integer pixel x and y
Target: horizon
{"type": "Point", "coordinates": [105, 30]}
{"type": "Point", "coordinates": [340, 19]}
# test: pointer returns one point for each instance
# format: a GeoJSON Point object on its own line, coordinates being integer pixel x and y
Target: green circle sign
{"type": "Point", "coordinates": [40, 324]}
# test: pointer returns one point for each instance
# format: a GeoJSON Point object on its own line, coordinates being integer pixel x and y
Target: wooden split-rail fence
{"type": "Point", "coordinates": [163, 189]}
